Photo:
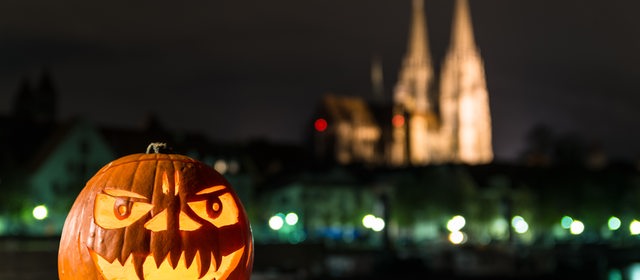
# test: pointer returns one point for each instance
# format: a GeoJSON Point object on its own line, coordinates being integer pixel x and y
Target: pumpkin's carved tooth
{"type": "Point", "coordinates": [189, 255]}
{"type": "Point", "coordinates": [138, 263]}
{"type": "Point", "coordinates": [205, 263]}
{"type": "Point", "coordinates": [174, 257]}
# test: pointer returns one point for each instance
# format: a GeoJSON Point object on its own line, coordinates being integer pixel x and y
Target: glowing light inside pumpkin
{"type": "Point", "coordinates": [276, 222]}
{"type": "Point", "coordinates": [164, 270]}
{"type": "Point", "coordinates": [40, 212]}
{"type": "Point", "coordinates": [291, 219]}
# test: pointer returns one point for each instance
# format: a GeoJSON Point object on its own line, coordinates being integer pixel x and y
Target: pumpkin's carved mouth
{"type": "Point", "coordinates": [164, 270]}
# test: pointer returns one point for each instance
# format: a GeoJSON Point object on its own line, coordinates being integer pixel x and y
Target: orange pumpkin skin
{"type": "Point", "coordinates": [156, 216]}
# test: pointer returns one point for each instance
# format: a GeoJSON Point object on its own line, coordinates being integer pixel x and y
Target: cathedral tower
{"type": "Point", "coordinates": [464, 100]}
{"type": "Point", "coordinates": [413, 111]}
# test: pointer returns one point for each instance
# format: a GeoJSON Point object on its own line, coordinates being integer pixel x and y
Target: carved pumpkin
{"type": "Point", "coordinates": [156, 216]}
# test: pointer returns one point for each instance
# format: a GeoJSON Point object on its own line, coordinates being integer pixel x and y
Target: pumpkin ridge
{"type": "Point", "coordinates": [180, 158]}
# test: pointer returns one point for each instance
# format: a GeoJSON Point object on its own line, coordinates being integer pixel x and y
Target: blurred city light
{"type": "Point", "coordinates": [220, 166]}
{"type": "Point", "coordinates": [566, 222]}
{"type": "Point", "coordinates": [634, 271]}
{"type": "Point", "coordinates": [614, 223]}
{"type": "Point", "coordinates": [320, 125]}
{"type": "Point", "coordinates": [615, 274]}
{"type": "Point", "coordinates": [519, 224]}
{"type": "Point", "coordinates": [456, 237]}
{"type": "Point", "coordinates": [576, 228]}
{"type": "Point", "coordinates": [40, 212]}
{"type": "Point", "coordinates": [456, 223]}
{"type": "Point", "coordinates": [368, 220]}
{"type": "Point", "coordinates": [397, 120]}
{"type": "Point", "coordinates": [276, 222]}
{"type": "Point", "coordinates": [634, 227]}
{"type": "Point", "coordinates": [378, 224]}
{"type": "Point", "coordinates": [291, 219]}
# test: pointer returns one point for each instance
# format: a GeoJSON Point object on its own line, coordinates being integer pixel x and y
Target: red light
{"type": "Point", "coordinates": [320, 125]}
{"type": "Point", "coordinates": [397, 120]}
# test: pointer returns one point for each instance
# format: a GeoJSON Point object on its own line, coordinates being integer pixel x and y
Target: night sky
{"type": "Point", "coordinates": [237, 70]}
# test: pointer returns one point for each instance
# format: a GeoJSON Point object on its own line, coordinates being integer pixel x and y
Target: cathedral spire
{"type": "Point", "coordinates": [462, 29]}
{"type": "Point", "coordinates": [418, 47]}
{"type": "Point", "coordinates": [464, 98]}
{"type": "Point", "coordinates": [413, 109]}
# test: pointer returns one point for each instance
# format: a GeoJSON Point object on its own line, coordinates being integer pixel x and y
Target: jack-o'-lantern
{"type": "Point", "coordinates": [156, 216]}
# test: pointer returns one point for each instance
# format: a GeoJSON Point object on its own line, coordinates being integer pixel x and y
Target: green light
{"type": "Point", "coordinates": [40, 212]}
{"type": "Point", "coordinates": [614, 223]}
{"type": "Point", "coordinates": [566, 222]}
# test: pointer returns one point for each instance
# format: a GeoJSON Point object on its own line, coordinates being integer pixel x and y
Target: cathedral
{"type": "Point", "coordinates": [425, 124]}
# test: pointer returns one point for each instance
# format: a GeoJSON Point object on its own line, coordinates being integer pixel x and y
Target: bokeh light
{"type": "Point", "coordinates": [614, 223]}
{"type": "Point", "coordinates": [276, 222]}
{"type": "Point", "coordinates": [519, 224]}
{"type": "Point", "coordinates": [320, 125]}
{"type": "Point", "coordinates": [456, 237]}
{"type": "Point", "coordinates": [291, 219]}
{"type": "Point", "coordinates": [576, 228]}
{"type": "Point", "coordinates": [456, 223]}
{"type": "Point", "coordinates": [566, 221]}
{"type": "Point", "coordinates": [40, 212]}
{"type": "Point", "coordinates": [634, 227]}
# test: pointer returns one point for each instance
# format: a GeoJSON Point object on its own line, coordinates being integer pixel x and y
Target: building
{"type": "Point", "coordinates": [425, 124]}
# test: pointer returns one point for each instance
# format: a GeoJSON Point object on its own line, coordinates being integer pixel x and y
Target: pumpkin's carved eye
{"type": "Point", "coordinates": [220, 210]}
{"type": "Point", "coordinates": [118, 208]}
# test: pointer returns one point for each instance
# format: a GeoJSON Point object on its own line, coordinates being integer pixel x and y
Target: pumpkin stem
{"type": "Point", "coordinates": [156, 147]}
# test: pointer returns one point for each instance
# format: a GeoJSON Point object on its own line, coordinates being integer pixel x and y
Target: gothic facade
{"type": "Point", "coordinates": [429, 124]}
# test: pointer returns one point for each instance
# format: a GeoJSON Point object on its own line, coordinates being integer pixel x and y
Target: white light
{"type": "Point", "coordinates": [456, 223]}
{"type": "Point", "coordinates": [456, 237]}
{"type": "Point", "coordinates": [276, 222]}
{"type": "Point", "coordinates": [368, 221]}
{"type": "Point", "coordinates": [577, 227]}
{"type": "Point", "coordinates": [634, 227]}
{"type": "Point", "coordinates": [291, 218]}
{"type": "Point", "coordinates": [220, 166]}
{"type": "Point", "coordinates": [40, 212]}
{"type": "Point", "coordinates": [519, 224]}
{"type": "Point", "coordinates": [378, 224]}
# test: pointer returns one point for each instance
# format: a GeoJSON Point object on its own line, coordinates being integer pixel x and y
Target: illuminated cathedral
{"type": "Point", "coordinates": [426, 124]}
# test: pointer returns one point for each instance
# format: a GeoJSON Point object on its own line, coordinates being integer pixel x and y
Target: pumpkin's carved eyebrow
{"type": "Point", "coordinates": [211, 189]}
{"type": "Point", "coordinates": [123, 193]}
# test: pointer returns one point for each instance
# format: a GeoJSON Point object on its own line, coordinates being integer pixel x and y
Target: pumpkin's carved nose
{"type": "Point", "coordinates": [159, 222]}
